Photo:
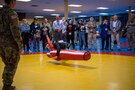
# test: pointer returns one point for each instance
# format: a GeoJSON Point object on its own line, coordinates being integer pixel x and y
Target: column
{"type": "Point", "coordinates": [100, 19]}
{"type": "Point", "coordinates": [129, 12]}
{"type": "Point", "coordinates": [66, 9]}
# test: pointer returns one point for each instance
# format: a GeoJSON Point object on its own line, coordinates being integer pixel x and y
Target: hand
{"type": "Point", "coordinates": [115, 33]}
{"type": "Point", "coordinates": [59, 30]}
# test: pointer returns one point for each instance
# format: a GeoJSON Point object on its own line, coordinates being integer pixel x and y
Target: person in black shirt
{"type": "Point", "coordinates": [70, 33]}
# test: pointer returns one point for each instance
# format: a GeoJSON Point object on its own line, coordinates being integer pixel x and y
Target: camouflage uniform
{"type": "Point", "coordinates": [10, 43]}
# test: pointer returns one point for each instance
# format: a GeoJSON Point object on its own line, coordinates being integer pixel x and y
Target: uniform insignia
{"type": "Point", "coordinates": [13, 17]}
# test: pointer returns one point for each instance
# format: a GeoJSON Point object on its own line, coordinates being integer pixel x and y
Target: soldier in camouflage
{"type": "Point", "coordinates": [10, 42]}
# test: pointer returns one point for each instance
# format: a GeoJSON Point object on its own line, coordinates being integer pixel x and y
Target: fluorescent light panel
{"type": "Point", "coordinates": [49, 10]}
{"type": "Point", "coordinates": [131, 10]}
{"type": "Point", "coordinates": [55, 14]}
{"type": "Point", "coordinates": [103, 8]}
{"type": "Point", "coordinates": [74, 5]}
{"type": "Point", "coordinates": [103, 14]}
{"type": "Point", "coordinates": [24, 0]}
{"type": "Point", "coordinates": [39, 16]}
{"type": "Point", "coordinates": [75, 11]}
{"type": "Point", "coordinates": [82, 16]}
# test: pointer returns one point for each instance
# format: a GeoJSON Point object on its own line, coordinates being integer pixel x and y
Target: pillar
{"type": "Point", "coordinates": [66, 9]}
{"type": "Point", "coordinates": [129, 12]}
{"type": "Point", "coordinates": [100, 19]}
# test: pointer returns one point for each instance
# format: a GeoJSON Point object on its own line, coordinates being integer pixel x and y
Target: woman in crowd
{"type": "Point", "coordinates": [82, 29]}
{"type": "Point", "coordinates": [25, 33]}
{"type": "Point", "coordinates": [70, 33]}
{"type": "Point", "coordinates": [44, 31]}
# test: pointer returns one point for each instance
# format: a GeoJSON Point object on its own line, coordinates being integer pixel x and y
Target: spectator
{"type": "Point", "coordinates": [57, 26]}
{"type": "Point", "coordinates": [115, 26]}
{"type": "Point", "coordinates": [44, 31]}
{"type": "Point", "coordinates": [64, 28]}
{"type": "Point", "coordinates": [86, 34]}
{"type": "Point", "coordinates": [82, 29]}
{"type": "Point", "coordinates": [92, 33]}
{"type": "Point", "coordinates": [70, 33]}
{"type": "Point", "coordinates": [25, 33]}
{"type": "Point", "coordinates": [49, 27]}
{"type": "Point", "coordinates": [131, 32]}
{"type": "Point", "coordinates": [35, 30]}
{"type": "Point", "coordinates": [104, 34]}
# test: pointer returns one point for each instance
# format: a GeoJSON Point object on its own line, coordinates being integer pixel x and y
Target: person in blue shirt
{"type": "Point", "coordinates": [105, 28]}
{"type": "Point", "coordinates": [25, 33]}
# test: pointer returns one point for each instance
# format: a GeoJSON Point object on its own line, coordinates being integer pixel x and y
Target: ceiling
{"type": "Point", "coordinates": [88, 7]}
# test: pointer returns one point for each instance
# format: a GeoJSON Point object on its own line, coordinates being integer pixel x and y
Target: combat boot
{"type": "Point", "coordinates": [5, 87]}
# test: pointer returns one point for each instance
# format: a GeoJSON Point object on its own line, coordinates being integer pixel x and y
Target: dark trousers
{"type": "Point", "coordinates": [109, 41]}
{"type": "Point", "coordinates": [57, 46]}
{"type": "Point", "coordinates": [26, 37]}
{"type": "Point", "coordinates": [86, 40]}
{"type": "Point", "coordinates": [70, 37]}
{"type": "Point", "coordinates": [57, 36]}
{"type": "Point", "coordinates": [44, 42]}
{"type": "Point", "coordinates": [105, 40]}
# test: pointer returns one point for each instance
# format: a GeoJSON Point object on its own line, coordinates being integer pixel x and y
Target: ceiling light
{"type": "Point", "coordinates": [82, 16]}
{"type": "Point", "coordinates": [49, 10]}
{"type": "Point", "coordinates": [74, 5]}
{"type": "Point", "coordinates": [55, 14]}
{"type": "Point", "coordinates": [1, 6]}
{"type": "Point", "coordinates": [39, 16]}
{"type": "Point", "coordinates": [131, 10]}
{"type": "Point", "coordinates": [24, 0]}
{"type": "Point", "coordinates": [103, 8]}
{"type": "Point", "coordinates": [103, 14]}
{"type": "Point", "coordinates": [75, 11]}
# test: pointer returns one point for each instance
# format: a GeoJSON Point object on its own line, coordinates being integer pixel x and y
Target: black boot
{"type": "Point", "coordinates": [8, 87]}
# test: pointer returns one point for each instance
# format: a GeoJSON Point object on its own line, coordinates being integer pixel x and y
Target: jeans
{"type": "Point", "coordinates": [82, 39]}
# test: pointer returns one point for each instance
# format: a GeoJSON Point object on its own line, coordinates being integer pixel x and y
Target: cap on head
{"type": "Point", "coordinates": [7, 1]}
{"type": "Point", "coordinates": [35, 18]}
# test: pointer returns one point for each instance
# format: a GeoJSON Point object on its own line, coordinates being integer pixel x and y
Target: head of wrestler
{"type": "Point", "coordinates": [10, 3]}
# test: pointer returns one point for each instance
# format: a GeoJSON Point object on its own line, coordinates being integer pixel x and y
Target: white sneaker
{"type": "Point", "coordinates": [30, 51]}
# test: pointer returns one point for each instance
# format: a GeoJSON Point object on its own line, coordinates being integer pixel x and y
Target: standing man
{"type": "Point", "coordinates": [131, 32]}
{"type": "Point", "coordinates": [47, 24]}
{"type": "Point", "coordinates": [57, 26]}
{"type": "Point", "coordinates": [10, 42]}
{"type": "Point", "coordinates": [115, 26]}
{"type": "Point", "coordinates": [91, 25]}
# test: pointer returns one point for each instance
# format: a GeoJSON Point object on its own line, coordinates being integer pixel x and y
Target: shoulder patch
{"type": "Point", "coordinates": [13, 17]}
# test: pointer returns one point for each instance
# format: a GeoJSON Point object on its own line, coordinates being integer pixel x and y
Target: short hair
{"type": "Point", "coordinates": [7, 1]}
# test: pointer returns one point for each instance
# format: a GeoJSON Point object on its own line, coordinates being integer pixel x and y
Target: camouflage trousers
{"type": "Point", "coordinates": [10, 58]}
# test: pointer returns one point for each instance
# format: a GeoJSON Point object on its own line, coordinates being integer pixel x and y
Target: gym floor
{"type": "Point", "coordinates": [104, 71]}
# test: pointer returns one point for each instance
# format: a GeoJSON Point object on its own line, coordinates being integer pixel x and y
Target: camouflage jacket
{"type": "Point", "coordinates": [9, 28]}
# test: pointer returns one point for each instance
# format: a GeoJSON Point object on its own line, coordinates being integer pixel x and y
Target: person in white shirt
{"type": "Point", "coordinates": [64, 28]}
{"type": "Point", "coordinates": [115, 27]}
{"type": "Point", "coordinates": [57, 27]}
